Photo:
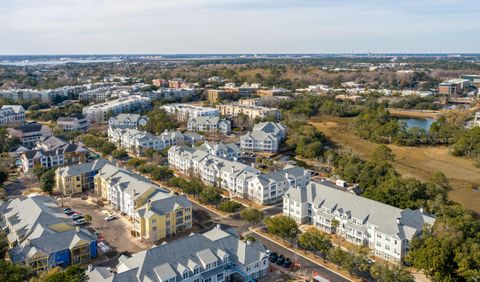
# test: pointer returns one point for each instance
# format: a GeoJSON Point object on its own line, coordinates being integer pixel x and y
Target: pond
{"type": "Point", "coordinates": [423, 123]}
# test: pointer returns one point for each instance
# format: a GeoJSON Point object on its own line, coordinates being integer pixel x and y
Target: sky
{"type": "Point", "coordinates": [238, 26]}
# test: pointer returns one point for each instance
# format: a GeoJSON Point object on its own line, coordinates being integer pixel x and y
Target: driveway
{"type": "Point", "coordinates": [116, 232]}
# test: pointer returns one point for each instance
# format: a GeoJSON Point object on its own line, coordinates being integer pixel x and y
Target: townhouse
{"type": "Point", "coordinates": [154, 212]}
{"type": "Point", "coordinates": [223, 150]}
{"type": "Point", "coordinates": [385, 229]}
{"type": "Point", "coordinates": [73, 123]}
{"type": "Point", "coordinates": [52, 152]}
{"type": "Point", "coordinates": [138, 141]}
{"type": "Point", "coordinates": [30, 133]}
{"type": "Point", "coordinates": [42, 237]}
{"type": "Point", "coordinates": [12, 115]}
{"type": "Point", "coordinates": [214, 256]}
{"type": "Point", "coordinates": [127, 121]}
{"type": "Point", "coordinates": [252, 112]}
{"type": "Point", "coordinates": [235, 177]}
{"type": "Point", "coordinates": [76, 179]}
{"type": "Point", "coordinates": [265, 136]}
{"type": "Point", "coordinates": [209, 124]}
{"type": "Point", "coordinates": [100, 112]}
{"type": "Point", "coordinates": [185, 111]}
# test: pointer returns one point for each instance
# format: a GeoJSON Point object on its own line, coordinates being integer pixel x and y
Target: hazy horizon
{"type": "Point", "coordinates": [143, 27]}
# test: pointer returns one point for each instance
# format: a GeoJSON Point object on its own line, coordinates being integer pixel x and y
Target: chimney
{"type": "Point", "coordinates": [90, 268]}
{"type": "Point", "coordinates": [249, 242]}
{"type": "Point", "coordinates": [233, 168]}
{"type": "Point", "coordinates": [77, 229]}
{"type": "Point", "coordinates": [253, 164]}
{"type": "Point", "coordinates": [133, 192]}
{"type": "Point", "coordinates": [148, 205]}
{"type": "Point", "coordinates": [421, 210]}
{"type": "Point", "coordinates": [219, 226]}
{"type": "Point", "coordinates": [398, 220]}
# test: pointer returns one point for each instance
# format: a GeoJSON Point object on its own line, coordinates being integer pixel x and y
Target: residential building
{"type": "Point", "coordinates": [154, 212]}
{"type": "Point", "coordinates": [12, 115]}
{"type": "Point", "coordinates": [102, 94]}
{"type": "Point", "coordinates": [79, 178]}
{"type": "Point", "coordinates": [214, 256]}
{"type": "Point", "coordinates": [265, 136]}
{"type": "Point", "coordinates": [100, 112]}
{"type": "Point", "coordinates": [476, 121]}
{"type": "Point", "coordinates": [51, 152]}
{"type": "Point", "coordinates": [453, 87]}
{"type": "Point", "coordinates": [223, 150]}
{"type": "Point", "coordinates": [42, 237]}
{"type": "Point", "coordinates": [162, 215]}
{"type": "Point", "coordinates": [252, 112]}
{"type": "Point", "coordinates": [185, 111]}
{"type": "Point", "coordinates": [209, 124]}
{"type": "Point", "coordinates": [127, 121]}
{"type": "Point", "coordinates": [170, 93]}
{"type": "Point", "coordinates": [387, 230]}
{"type": "Point", "coordinates": [235, 177]}
{"type": "Point", "coordinates": [273, 92]}
{"type": "Point", "coordinates": [73, 123]}
{"type": "Point", "coordinates": [30, 133]}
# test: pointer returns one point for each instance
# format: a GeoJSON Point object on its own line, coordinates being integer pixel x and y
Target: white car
{"type": "Point", "coordinates": [110, 217]}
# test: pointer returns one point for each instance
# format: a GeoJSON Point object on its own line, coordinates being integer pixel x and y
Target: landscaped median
{"type": "Point", "coordinates": [309, 256]}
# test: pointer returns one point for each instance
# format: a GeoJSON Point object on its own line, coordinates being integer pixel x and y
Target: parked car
{"type": "Point", "coordinates": [77, 216]}
{"type": "Point", "coordinates": [67, 211]}
{"type": "Point", "coordinates": [273, 257]}
{"type": "Point", "coordinates": [287, 263]}
{"type": "Point", "coordinates": [110, 217]}
{"type": "Point", "coordinates": [79, 222]}
{"type": "Point", "coordinates": [280, 260]}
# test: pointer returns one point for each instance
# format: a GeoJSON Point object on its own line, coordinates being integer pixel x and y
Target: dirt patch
{"type": "Point", "coordinates": [418, 162]}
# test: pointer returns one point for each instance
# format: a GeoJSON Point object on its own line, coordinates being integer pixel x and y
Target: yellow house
{"type": "Point", "coordinates": [163, 215]}
{"type": "Point", "coordinates": [79, 178]}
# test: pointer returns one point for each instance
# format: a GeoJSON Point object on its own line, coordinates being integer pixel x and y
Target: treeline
{"type": "Point", "coordinates": [416, 103]}
{"type": "Point", "coordinates": [447, 251]}
{"type": "Point", "coordinates": [55, 113]}
{"type": "Point", "coordinates": [312, 105]}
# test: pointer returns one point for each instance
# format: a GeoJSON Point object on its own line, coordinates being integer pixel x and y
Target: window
{"type": "Point", "coordinates": [379, 244]}
{"type": "Point", "coordinates": [387, 247]}
{"type": "Point", "coordinates": [154, 229]}
{"type": "Point", "coordinates": [185, 275]}
{"type": "Point", "coordinates": [195, 270]}
{"type": "Point", "coordinates": [379, 235]}
{"type": "Point", "coordinates": [208, 266]}
{"type": "Point", "coordinates": [220, 277]}
{"type": "Point", "coordinates": [154, 221]}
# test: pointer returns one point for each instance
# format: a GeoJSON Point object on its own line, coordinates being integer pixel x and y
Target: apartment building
{"type": "Point", "coordinates": [265, 136]}
{"type": "Point", "coordinates": [273, 92]}
{"type": "Point", "coordinates": [127, 121]}
{"type": "Point", "coordinates": [12, 115]}
{"type": "Point", "coordinates": [138, 141]}
{"type": "Point", "coordinates": [235, 177]}
{"type": "Point", "coordinates": [79, 178]}
{"type": "Point", "coordinates": [252, 112]}
{"type": "Point", "coordinates": [209, 124]}
{"type": "Point", "coordinates": [102, 94]}
{"type": "Point", "coordinates": [41, 236]}
{"type": "Point", "coordinates": [170, 93]}
{"type": "Point", "coordinates": [387, 230]}
{"type": "Point", "coordinates": [30, 133]}
{"type": "Point", "coordinates": [51, 152]}
{"type": "Point", "coordinates": [214, 256]}
{"type": "Point", "coordinates": [185, 111]}
{"type": "Point", "coordinates": [46, 96]}
{"type": "Point", "coordinates": [162, 215]}
{"type": "Point", "coordinates": [100, 112]}
{"type": "Point", "coordinates": [223, 150]}
{"type": "Point", "coordinates": [73, 123]}
{"type": "Point", "coordinates": [155, 213]}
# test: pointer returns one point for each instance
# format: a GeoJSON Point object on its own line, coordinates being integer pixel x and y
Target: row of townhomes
{"type": "Point", "coordinates": [170, 93]}
{"type": "Point", "coordinates": [30, 133]}
{"type": "Point", "coordinates": [185, 111]}
{"type": "Point", "coordinates": [385, 229]}
{"type": "Point", "coordinates": [76, 179]}
{"type": "Point", "coordinates": [236, 177]}
{"type": "Point", "coordinates": [99, 113]}
{"type": "Point", "coordinates": [209, 124]}
{"type": "Point", "coordinates": [41, 236]}
{"type": "Point", "coordinates": [265, 136]}
{"type": "Point", "coordinates": [127, 121]}
{"type": "Point", "coordinates": [155, 213]}
{"type": "Point", "coordinates": [73, 123]}
{"type": "Point", "coordinates": [214, 256]}
{"type": "Point", "coordinates": [12, 115]}
{"type": "Point", "coordinates": [252, 111]}
{"type": "Point", "coordinates": [51, 152]}
{"type": "Point", "coordinates": [223, 150]}
{"type": "Point", "coordinates": [138, 141]}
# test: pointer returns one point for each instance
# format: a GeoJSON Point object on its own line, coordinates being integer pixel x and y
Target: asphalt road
{"type": "Point", "coordinates": [305, 264]}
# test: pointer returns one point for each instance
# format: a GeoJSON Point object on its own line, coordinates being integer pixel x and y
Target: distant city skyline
{"type": "Point", "coordinates": [238, 27]}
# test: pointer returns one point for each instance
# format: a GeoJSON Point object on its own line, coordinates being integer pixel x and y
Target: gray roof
{"type": "Point", "coordinates": [204, 119]}
{"type": "Point", "coordinates": [269, 127]}
{"type": "Point", "coordinates": [15, 108]}
{"type": "Point", "coordinates": [80, 169]}
{"type": "Point", "coordinates": [162, 203]}
{"type": "Point", "coordinates": [383, 216]}
{"type": "Point", "coordinates": [167, 260]}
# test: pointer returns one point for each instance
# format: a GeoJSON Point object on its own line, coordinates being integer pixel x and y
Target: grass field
{"type": "Point", "coordinates": [418, 162]}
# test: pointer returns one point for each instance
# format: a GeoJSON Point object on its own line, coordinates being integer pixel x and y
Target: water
{"type": "Point", "coordinates": [423, 123]}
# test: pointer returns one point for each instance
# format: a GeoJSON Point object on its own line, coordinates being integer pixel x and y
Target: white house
{"type": "Point", "coordinates": [209, 124]}
{"type": "Point", "coordinates": [12, 115]}
{"type": "Point", "coordinates": [265, 136]}
{"type": "Point", "coordinates": [385, 229]}
{"type": "Point", "coordinates": [127, 121]}
{"type": "Point", "coordinates": [186, 111]}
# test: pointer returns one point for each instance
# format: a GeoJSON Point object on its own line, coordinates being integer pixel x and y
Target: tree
{"type": "Point", "coordinates": [252, 215]}
{"type": "Point", "coordinates": [107, 148]}
{"type": "Point", "coordinates": [229, 206]}
{"type": "Point", "coordinates": [3, 244]}
{"type": "Point", "coordinates": [88, 218]}
{"type": "Point", "coordinates": [383, 273]}
{"type": "Point", "coordinates": [161, 173]}
{"type": "Point", "coordinates": [118, 154]}
{"type": "Point", "coordinates": [47, 181]}
{"type": "Point", "coordinates": [72, 273]}
{"type": "Point", "coordinates": [383, 154]}
{"type": "Point", "coordinates": [337, 256]}
{"type": "Point", "coordinates": [335, 224]}
{"type": "Point", "coordinates": [282, 226]}
{"type": "Point", "coordinates": [10, 272]}
{"type": "Point", "coordinates": [3, 177]}
{"type": "Point", "coordinates": [210, 195]}
{"type": "Point", "coordinates": [39, 170]}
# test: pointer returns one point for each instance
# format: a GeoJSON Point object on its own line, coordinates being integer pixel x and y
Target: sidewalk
{"type": "Point", "coordinates": [309, 256]}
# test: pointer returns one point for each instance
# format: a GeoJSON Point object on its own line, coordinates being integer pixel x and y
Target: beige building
{"type": "Point", "coordinates": [250, 111]}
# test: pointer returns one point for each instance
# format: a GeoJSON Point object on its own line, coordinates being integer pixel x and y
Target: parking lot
{"type": "Point", "coordinates": [115, 232]}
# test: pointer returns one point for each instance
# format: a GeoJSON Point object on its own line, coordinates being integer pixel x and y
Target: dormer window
{"type": "Point", "coordinates": [196, 270]}
{"type": "Point", "coordinates": [185, 274]}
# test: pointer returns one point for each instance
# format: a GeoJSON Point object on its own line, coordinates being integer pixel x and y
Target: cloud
{"type": "Point", "coordinates": [237, 26]}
